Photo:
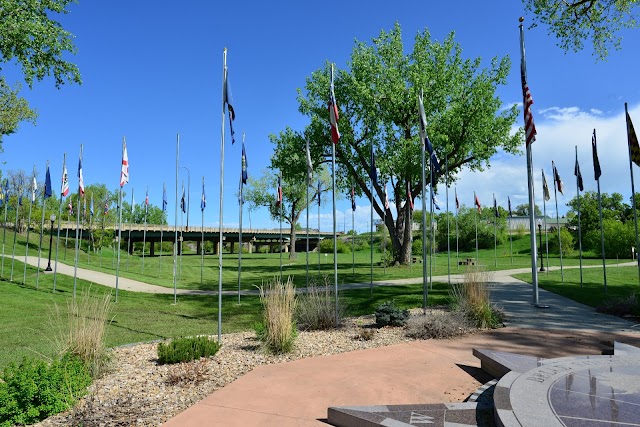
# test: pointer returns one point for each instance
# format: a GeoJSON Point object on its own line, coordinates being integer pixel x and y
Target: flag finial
{"type": "Point", "coordinates": [521, 19]}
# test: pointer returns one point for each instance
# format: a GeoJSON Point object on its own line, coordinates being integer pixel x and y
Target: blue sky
{"type": "Point", "coordinates": [153, 69]}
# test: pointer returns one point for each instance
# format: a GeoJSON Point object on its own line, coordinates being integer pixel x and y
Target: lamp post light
{"type": "Point", "coordinates": [540, 257]}
{"type": "Point", "coordinates": [52, 218]}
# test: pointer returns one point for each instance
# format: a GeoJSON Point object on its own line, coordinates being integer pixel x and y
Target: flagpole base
{"type": "Point", "coordinates": [538, 305]}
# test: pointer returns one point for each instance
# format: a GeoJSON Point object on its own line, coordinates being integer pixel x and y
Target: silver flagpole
{"type": "Point", "coordinates": [26, 252]}
{"type": "Point", "coordinates": [75, 261]}
{"type": "Point", "coordinates": [532, 222]}
{"type": "Point", "coordinates": [281, 203]}
{"type": "Point", "coordinates": [475, 197]}
{"type": "Point", "coordinates": [511, 239]}
{"type": "Point", "coordinates": [425, 277]}
{"type": "Point", "coordinates": [431, 230]}
{"type": "Point", "coordinates": [579, 222]}
{"type": "Point", "coordinates": [144, 232]}
{"type": "Point", "coordinates": [455, 190]}
{"type": "Point", "coordinates": [175, 227]}
{"type": "Point", "coordinates": [41, 229]}
{"type": "Point", "coordinates": [241, 203]}
{"type": "Point", "coordinates": [319, 195]}
{"type": "Point", "coordinates": [102, 235]}
{"type": "Point", "coordinates": [164, 192]}
{"type": "Point", "coordinates": [66, 237]}
{"type": "Point", "coordinates": [372, 171]}
{"type": "Point", "coordinates": [597, 175]}
{"type": "Point", "coordinates": [119, 239]}
{"type": "Point", "coordinates": [555, 194]}
{"type": "Point", "coordinates": [224, 83]}
{"type": "Point", "coordinates": [202, 202]}
{"type": "Point", "coordinates": [90, 244]}
{"type": "Point", "coordinates": [633, 191]}
{"type": "Point", "coordinates": [4, 224]}
{"type": "Point", "coordinates": [495, 232]}
{"type": "Point", "coordinates": [129, 245]}
{"type": "Point", "coordinates": [55, 266]}
{"type": "Point", "coordinates": [353, 242]}
{"type": "Point", "coordinates": [15, 233]}
{"type": "Point", "coordinates": [446, 165]}
{"type": "Point", "coordinates": [544, 213]}
{"type": "Point", "coordinates": [335, 234]}
{"type": "Point", "coordinates": [384, 231]}
{"type": "Point", "coordinates": [309, 176]}
{"type": "Point", "coordinates": [181, 243]}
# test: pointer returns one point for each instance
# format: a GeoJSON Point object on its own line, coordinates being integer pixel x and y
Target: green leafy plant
{"type": "Point", "coordinates": [387, 314]}
{"type": "Point", "coordinates": [34, 390]}
{"type": "Point", "coordinates": [278, 307]}
{"type": "Point", "coordinates": [187, 349]}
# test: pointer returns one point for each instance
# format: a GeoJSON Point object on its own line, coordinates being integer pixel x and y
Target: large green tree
{"type": "Point", "coordinates": [574, 21]}
{"type": "Point", "coordinates": [613, 208]}
{"type": "Point", "coordinates": [35, 42]}
{"type": "Point", "coordinates": [377, 97]}
{"type": "Point", "coordinates": [261, 192]}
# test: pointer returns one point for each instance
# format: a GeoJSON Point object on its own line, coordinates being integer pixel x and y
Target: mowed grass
{"type": "Point", "coordinates": [259, 268]}
{"type": "Point", "coordinates": [621, 282]}
{"type": "Point", "coordinates": [28, 322]}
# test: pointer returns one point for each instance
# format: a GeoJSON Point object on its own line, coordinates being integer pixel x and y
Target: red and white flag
{"type": "Point", "coordinates": [65, 181]}
{"type": "Point", "coordinates": [124, 174]}
{"type": "Point", "coordinates": [477, 203]}
{"type": "Point", "coordinates": [333, 113]}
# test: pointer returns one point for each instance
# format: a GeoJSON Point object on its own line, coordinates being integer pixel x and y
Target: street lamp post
{"type": "Point", "coordinates": [541, 257]}
{"type": "Point", "coordinates": [52, 218]}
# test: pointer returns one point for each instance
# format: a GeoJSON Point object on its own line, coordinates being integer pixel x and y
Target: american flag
{"type": "Point", "coordinates": [527, 100]}
{"type": "Point", "coordinates": [333, 113]}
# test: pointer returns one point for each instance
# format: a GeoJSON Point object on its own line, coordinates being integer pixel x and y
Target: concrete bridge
{"type": "Point", "coordinates": [252, 238]}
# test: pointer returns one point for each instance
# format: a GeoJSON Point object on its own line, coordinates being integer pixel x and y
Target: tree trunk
{"type": "Point", "coordinates": [292, 243]}
{"type": "Point", "coordinates": [400, 235]}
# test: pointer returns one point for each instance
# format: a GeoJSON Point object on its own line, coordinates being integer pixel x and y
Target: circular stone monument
{"type": "Point", "coordinates": [586, 391]}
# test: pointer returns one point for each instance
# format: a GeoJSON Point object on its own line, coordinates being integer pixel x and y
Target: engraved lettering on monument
{"type": "Point", "coordinates": [417, 418]}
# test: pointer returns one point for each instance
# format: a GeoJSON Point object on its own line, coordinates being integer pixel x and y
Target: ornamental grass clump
{"type": "Point", "coordinates": [472, 297]}
{"type": "Point", "coordinates": [278, 308]}
{"type": "Point", "coordinates": [316, 309]}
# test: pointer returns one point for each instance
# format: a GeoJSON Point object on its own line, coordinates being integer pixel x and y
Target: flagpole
{"type": "Point", "coordinates": [532, 222]}
{"type": "Point", "coordinates": [555, 194]}
{"type": "Point", "coordinates": [181, 242]}
{"type": "Point", "coordinates": [495, 232]}
{"type": "Point", "coordinates": [89, 249]}
{"type": "Point", "coordinates": [384, 232]}
{"type": "Point", "coordinates": [102, 235]}
{"type": "Point", "coordinates": [476, 224]}
{"type": "Point", "coordinates": [75, 262]}
{"type": "Point", "coordinates": [144, 233]}
{"type": "Point", "coordinates": [202, 203]}
{"type": "Point", "coordinates": [319, 272]}
{"type": "Point", "coordinates": [55, 266]}
{"type": "Point", "coordinates": [446, 166]}
{"type": "Point", "coordinates": [4, 224]}
{"type": "Point", "coordinates": [372, 171]}
{"type": "Point", "coordinates": [457, 237]}
{"type": "Point", "coordinates": [281, 203]}
{"type": "Point", "coordinates": [241, 203]}
{"type": "Point", "coordinates": [66, 228]}
{"type": "Point", "coordinates": [41, 228]}
{"type": "Point", "coordinates": [578, 177]}
{"type": "Point", "coordinates": [597, 173]}
{"type": "Point", "coordinates": [633, 190]}
{"type": "Point", "coordinates": [164, 194]}
{"type": "Point", "coordinates": [15, 233]}
{"type": "Point", "coordinates": [511, 239]}
{"type": "Point", "coordinates": [119, 240]}
{"type": "Point", "coordinates": [431, 230]}
{"type": "Point", "coordinates": [353, 242]}
{"type": "Point", "coordinates": [335, 234]}
{"type": "Point", "coordinates": [307, 261]}
{"type": "Point", "coordinates": [26, 253]}
{"type": "Point", "coordinates": [546, 233]}
{"type": "Point", "coordinates": [129, 245]}
{"type": "Point", "coordinates": [175, 226]}
{"type": "Point", "coordinates": [224, 84]}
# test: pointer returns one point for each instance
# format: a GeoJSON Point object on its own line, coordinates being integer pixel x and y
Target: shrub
{"type": "Point", "coordinates": [82, 332]}
{"type": "Point", "coordinates": [187, 349]}
{"type": "Point", "coordinates": [387, 314]}
{"type": "Point", "coordinates": [365, 334]}
{"type": "Point", "coordinates": [621, 306]}
{"type": "Point", "coordinates": [568, 242]}
{"type": "Point", "coordinates": [187, 373]}
{"type": "Point", "coordinates": [34, 390]}
{"type": "Point", "coordinates": [416, 247]}
{"type": "Point", "coordinates": [278, 306]}
{"type": "Point", "coordinates": [316, 309]}
{"type": "Point", "coordinates": [472, 297]}
{"type": "Point", "coordinates": [326, 247]}
{"type": "Point", "coordinates": [438, 324]}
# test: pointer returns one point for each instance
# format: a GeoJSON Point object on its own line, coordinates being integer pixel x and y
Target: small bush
{"type": "Point", "coordinates": [387, 314]}
{"type": "Point", "coordinates": [278, 305]}
{"type": "Point", "coordinates": [326, 247]}
{"type": "Point", "coordinates": [34, 390]}
{"type": "Point", "coordinates": [316, 309]}
{"type": "Point", "coordinates": [187, 373]}
{"type": "Point", "coordinates": [187, 349]}
{"type": "Point", "coordinates": [365, 334]}
{"type": "Point", "coordinates": [438, 324]}
{"type": "Point", "coordinates": [621, 306]}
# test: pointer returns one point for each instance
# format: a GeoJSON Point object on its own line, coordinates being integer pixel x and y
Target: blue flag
{"type": "Point", "coordinates": [203, 200]}
{"type": "Point", "coordinates": [434, 158]}
{"type": "Point", "coordinates": [47, 185]}
{"type": "Point", "coordinates": [319, 192]}
{"type": "Point", "coordinates": [164, 197]}
{"type": "Point", "coordinates": [183, 204]}
{"type": "Point", "coordinates": [227, 100]}
{"type": "Point", "coordinates": [435, 201]}
{"type": "Point", "coordinates": [20, 201]}
{"type": "Point", "coordinates": [245, 175]}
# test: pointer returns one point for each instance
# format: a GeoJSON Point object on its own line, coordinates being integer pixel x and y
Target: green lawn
{"type": "Point", "coordinates": [621, 282]}
{"type": "Point", "coordinates": [258, 268]}
{"type": "Point", "coordinates": [27, 320]}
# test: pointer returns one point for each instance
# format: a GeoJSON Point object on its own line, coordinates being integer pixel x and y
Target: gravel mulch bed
{"type": "Point", "coordinates": [137, 391]}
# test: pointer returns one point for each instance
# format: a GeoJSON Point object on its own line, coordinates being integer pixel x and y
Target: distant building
{"type": "Point", "coordinates": [522, 222]}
